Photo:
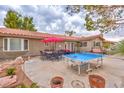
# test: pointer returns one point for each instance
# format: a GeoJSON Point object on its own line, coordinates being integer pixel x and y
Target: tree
{"type": "Point", "coordinates": [27, 23]}
{"type": "Point", "coordinates": [120, 47]}
{"type": "Point", "coordinates": [100, 17]}
{"type": "Point", "coordinates": [70, 33]}
{"type": "Point", "coordinates": [15, 20]}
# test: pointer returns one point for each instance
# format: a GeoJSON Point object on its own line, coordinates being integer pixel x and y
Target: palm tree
{"type": "Point", "coordinates": [70, 33]}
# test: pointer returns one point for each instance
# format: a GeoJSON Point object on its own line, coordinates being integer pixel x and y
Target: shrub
{"type": "Point", "coordinates": [10, 71]}
{"type": "Point", "coordinates": [22, 86]}
{"type": "Point", "coordinates": [34, 85]}
{"type": "Point", "coordinates": [120, 47]}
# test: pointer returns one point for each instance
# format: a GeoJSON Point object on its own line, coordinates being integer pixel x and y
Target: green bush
{"type": "Point", "coordinates": [120, 47]}
{"type": "Point", "coordinates": [112, 52]}
{"type": "Point", "coordinates": [22, 86]}
{"type": "Point", "coordinates": [106, 45]}
{"type": "Point", "coordinates": [10, 71]}
{"type": "Point", "coordinates": [34, 85]}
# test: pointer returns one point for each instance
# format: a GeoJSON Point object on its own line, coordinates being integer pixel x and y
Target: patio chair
{"type": "Point", "coordinates": [57, 82]}
{"type": "Point", "coordinates": [43, 55]}
{"type": "Point", "coordinates": [60, 52]}
{"type": "Point", "coordinates": [96, 81]}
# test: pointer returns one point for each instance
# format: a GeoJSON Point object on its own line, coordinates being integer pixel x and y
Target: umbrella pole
{"type": "Point", "coordinates": [55, 45]}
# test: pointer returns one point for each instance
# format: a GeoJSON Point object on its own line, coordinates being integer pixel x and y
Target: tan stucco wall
{"type": "Point", "coordinates": [69, 46]}
{"type": "Point", "coordinates": [35, 45]}
{"type": "Point", "coordinates": [98, 40]}
{"type": "Point", "coordinates": [9, 54]}
{"type": "Point", "coordinates": [1, 44]}
{"type": "Point", "coordinates": [90, 44]}
{"type": "Point", "coordinates": [88, 47]}
{"type": "Point", "coordinates": [59, 45]}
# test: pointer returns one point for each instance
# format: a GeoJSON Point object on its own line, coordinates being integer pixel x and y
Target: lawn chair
{"type": "Point", "coordinates": [96, 81]}
{"type": "Point", "coordinates": [57, 82]}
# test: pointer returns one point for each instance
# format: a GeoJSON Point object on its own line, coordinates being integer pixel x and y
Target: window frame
{"type": "Point", "coordinates": [82, 44]}
{"type": "Point", "coordinates": [8, 45]}
{"type": "Point", "coordinates": [97, 43]}
{"type": "Point", "coordinates": [24, 46]}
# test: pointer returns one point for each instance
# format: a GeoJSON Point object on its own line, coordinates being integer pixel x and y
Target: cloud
{"type": "Point", "coordinates": [51, 19]}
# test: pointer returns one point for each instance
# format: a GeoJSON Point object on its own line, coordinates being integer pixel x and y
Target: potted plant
{"type": "Point", "coordinates": [57, 82]}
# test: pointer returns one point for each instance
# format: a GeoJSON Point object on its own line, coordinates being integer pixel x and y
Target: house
{"type": "Point", "coordinates": [15, 42]}
{"type": "Point", "coordinates": [91, 42]}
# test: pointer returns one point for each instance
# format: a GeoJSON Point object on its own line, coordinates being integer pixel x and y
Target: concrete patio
{"type": "Point", "coordinates": [41, 72]}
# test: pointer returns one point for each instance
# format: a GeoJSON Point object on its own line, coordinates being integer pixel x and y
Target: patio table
{"type": "Point", "coordinates": [49, 52]}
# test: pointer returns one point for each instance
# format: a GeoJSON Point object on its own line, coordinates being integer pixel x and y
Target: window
{"type": "Point", "coordinates": [5, 44]}
{"type": "Point", "coordinates": [25, 44]}
{"type": "Point", "coordinates": [15, 44]}
{"type": "Point", "coordinates": [84, 44]}
{"type": "Point", "coordinates": [97, 44]}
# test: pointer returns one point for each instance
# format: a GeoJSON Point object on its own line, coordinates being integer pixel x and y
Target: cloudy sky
{"type": "Point", "coordinates": [54, 19]}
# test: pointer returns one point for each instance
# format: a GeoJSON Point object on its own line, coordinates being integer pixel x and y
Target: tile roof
{"type": "Point", "coordinates": [18, 33]}
{"type": "Point", "coordinates": [30, 34]}
{"type": "Point", "coordinates": [92, 37]}
{"type": "Point", "coordinates": [38, 35]}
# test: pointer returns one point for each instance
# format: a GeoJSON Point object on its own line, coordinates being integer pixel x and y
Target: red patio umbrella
{"type": "Point", "coordinates": [53, 39]}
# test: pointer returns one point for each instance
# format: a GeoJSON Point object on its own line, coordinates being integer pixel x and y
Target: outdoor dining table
{"type": "Point", "coordinates": [49, 52]}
